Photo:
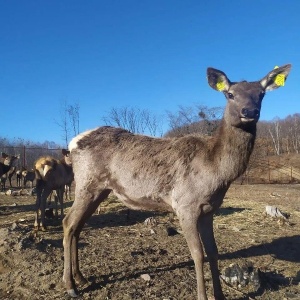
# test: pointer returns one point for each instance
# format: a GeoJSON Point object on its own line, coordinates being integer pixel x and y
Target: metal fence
{"type": "Point", "coordinates": [28, 155]}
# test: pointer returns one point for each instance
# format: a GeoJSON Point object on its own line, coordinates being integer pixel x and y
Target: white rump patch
{"type": "Point", "coordinates": [46, 169]}
{"type": "Point", "coordinates": [74, 141]}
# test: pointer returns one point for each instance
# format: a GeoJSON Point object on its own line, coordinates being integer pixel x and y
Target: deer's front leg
{"type": "Point", "coordinates": [205, 227]}
{"type": "Point", "coordinates": [46, 192]}
{"type": "Point", "coordinates": [39, 190]}
{"type": "Point", "coordinates": [190, 231]}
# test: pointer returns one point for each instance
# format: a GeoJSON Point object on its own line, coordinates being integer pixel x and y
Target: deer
{"type": "Point", "coordinates": [6, 162]}
{"type": "Point", "coordinates": [68, 191]}
{"type": "Point", "coordinates": [28, 176]}
{"type": "Point", "coordinates": [19, 177]}
{"type": "Point", "coordinates": [187, 175]}
{"type": "Point", "coordinates": [51, 174]}
{"type": "Point", "coordinates": [6, 176]}
{"type": "Point", "coordinates": [3, 179]}
{"type": "Point", "coordinates": [11, 173]}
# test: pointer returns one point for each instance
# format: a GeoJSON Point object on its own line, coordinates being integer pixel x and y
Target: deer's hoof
{"type": "Point", "coordinates": [80, 280]}
{"type": "Point", "coordinates": [72, 293]}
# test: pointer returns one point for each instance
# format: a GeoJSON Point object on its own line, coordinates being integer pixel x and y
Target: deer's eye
{"type": "Point", "coordinates": [230, 96]}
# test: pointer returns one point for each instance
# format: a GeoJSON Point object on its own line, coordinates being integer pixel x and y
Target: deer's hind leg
{"type": "Point", "coordinates": [83, 207]}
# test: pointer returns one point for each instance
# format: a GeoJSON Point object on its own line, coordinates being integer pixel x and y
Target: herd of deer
{"type": "Point", "coordinates": [50, 174]}
{"type": "Point", "coordinates": [23, 176]}
{"type": "Point", "coordinates": [187, 175]}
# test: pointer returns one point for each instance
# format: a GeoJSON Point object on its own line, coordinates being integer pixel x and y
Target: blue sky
{"type": "Point", "coordinates": [145, 54]}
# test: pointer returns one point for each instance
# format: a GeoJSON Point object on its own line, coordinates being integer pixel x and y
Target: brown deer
{"type": "Point", "coordinates": [6, 176]}
{"type": "Point", "coordinates": [11, 172]}
{"type": "Point", "coordinates": [19, 178]}
{"type": "Point", "coordinates": [6, 162]}
{"type": "Point", "coordinates": [68, 191]}
{"type": "Point", "coordinates": [51, 174]}
{"type": "Point", "coordinates": [3, 179]}
{"type": "Point", "coordinates": [187, 175]}
{"type": "Point", "coordinates": [28, 176]}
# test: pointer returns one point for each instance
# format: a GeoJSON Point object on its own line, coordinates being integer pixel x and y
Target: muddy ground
{"type": "Point", "coordinates": [127, 259]}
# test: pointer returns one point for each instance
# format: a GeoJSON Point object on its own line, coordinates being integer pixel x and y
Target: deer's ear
{"type": "Point", "coordinates": [218, 80]}
{"type": "Point", "coordinates": [276, 78]}
{"type": "Point", "coordinates": [4, 155]}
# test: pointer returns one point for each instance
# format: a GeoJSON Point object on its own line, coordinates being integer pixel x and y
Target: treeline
{"type": "Point", "coordinates": [282, 136]}
{"type": "Point", "coordinates": [276, 137]}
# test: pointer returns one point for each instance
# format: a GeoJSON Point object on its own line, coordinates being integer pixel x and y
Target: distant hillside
{"type": "Point", "coordinates": [273, 169]}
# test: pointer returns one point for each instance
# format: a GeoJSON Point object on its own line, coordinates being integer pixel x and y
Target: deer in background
{"type": "Point", "coordinates": [6, 176]}
{"type": "Point", "coordinates": [28, 176]}
{"type": "Point", "coordinates": [19, 178]}
{"type": "Point", "coordinates": [187, 175]}
{"type": "Point", "coordinates": [51, 174]}
{"type": "Point", "coordinates": [3, 179]}
{"type": "Point", "coordinates": [68, 191]}
{"type": "Point", "coordinates": [6, 162]}
{"type": "Point", "coordinates": [10, 174]}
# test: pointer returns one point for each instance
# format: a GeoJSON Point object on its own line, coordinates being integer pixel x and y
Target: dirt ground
{"type": "Point", "coordinates": [128, 259]}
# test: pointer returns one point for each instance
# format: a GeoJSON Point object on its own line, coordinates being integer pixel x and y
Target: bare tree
{"type": "Point", "coordinates": [73, 113]}
{"type": "Point", "coordinates": [281, 135]}
{"type": "Point", "coordinates": [63, 122]}
{"type": "Point", "coordinates": [275, 133]}
{"type": "Point", "coordinates": [69, 120]}
{"type": "Point", "coordinates": [135, 120]}
{"type": "Point", "coordinates": [292, 131]}
{"type": "Point", "coordinates": [198, 119]}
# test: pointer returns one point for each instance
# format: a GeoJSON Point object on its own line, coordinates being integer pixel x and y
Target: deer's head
{"type": "Point", "coordinates": [67, 157]}
{"type": "Point", "coordinates": [244, 98]}
{"type": "Point", "coordinates": [9, 159]}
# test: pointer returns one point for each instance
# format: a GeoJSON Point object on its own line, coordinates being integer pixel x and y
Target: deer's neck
{"type": "Point", "coordinates": [233, 147]}
{"type": "Point", "coordinates": [6, 168]}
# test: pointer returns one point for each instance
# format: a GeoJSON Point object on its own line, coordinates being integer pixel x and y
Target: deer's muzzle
{"type": "Point", "coordinates": [248, 115]}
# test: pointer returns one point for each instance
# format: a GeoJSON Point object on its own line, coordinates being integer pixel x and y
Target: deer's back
{"type": "Point", "coordinates": [107, 146]}
{"type": "Point", "coordinates": [144, 172]}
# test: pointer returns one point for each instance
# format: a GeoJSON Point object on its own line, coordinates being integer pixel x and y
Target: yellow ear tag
{"type": "Point", "coordinates": [220, 86]}
{"type": "Point", "coordinates": [279, 79]}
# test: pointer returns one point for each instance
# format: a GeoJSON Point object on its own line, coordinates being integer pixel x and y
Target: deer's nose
{"type": "Point", "coordinates": [250, 113]}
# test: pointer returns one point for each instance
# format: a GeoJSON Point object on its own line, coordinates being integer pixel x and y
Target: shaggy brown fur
{"type": "Point", "coordinates": [51, 174]}
{"type": "Point", "coordinates": [188, 175]}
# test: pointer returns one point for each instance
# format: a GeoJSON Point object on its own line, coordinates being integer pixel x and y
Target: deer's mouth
{"type": "Point", "coordinates": [249, 115]}
{"type": "Point", "coordinates": [248, 120]}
